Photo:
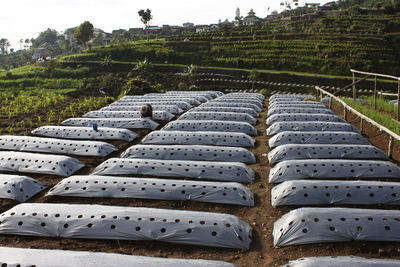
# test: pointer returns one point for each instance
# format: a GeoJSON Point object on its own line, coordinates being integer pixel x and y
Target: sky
{"type": "Point", "coordinates": [27, 18]}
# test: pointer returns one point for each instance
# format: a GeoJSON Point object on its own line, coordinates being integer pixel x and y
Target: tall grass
{"type": "Point", "coordinates": [381, 103]}
{"type": "Point", "coordinates": [384, 119]}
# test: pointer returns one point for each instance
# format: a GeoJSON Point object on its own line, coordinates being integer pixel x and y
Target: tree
{"type": "Point", "coordinates": [146, 17]}
{"type": "Point", "coordinates": [4, 45]}
{"type": "Point", "coordinates": [290, 3]}
{"type": "Point", "coordinates": [98, 40]}
{"type": "Point", "coordinates": [48, 37]}
{"type": "Point", "coordinates": [27, 42]}
{"type": "Point", "coordinates": [84, 33]}
{"type": "Point", "coordinates": [239, 20]}
{"type": "Point", "coordinates": [254, 75]}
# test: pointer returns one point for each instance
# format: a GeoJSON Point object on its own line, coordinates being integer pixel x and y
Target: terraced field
{"type": "Point", "coordinates": [325, 44]}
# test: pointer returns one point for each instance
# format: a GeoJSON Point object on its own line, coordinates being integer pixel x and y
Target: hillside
{"type": "Point", "coordinates": [327, 43]}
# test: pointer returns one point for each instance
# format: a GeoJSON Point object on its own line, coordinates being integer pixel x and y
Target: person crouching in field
{"type": "Point", "coordinates": [146, 111]}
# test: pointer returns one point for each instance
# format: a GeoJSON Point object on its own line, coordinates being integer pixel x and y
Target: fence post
{"type": "Point", "coordinates": [354, 87]}
{"type": "Point", "coordinates": [361, 125]}
{"type": "Point", "coordinates": [375, 94]}
{"type": "Point", "coordinates": [398, 101]}
{"type": "Point", "coordinates": [390, 146]}
{"type": "Point", "coordinates": [330, 102]}
{"type": "Point", "coordinates": [345, 113]}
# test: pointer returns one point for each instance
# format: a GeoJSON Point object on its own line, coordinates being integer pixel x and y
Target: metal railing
{"type": "Point", "coordinates": [392, 136]}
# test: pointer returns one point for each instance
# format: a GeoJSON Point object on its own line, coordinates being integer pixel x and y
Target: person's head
{"type": "Point", "coordinates": [146, 111]}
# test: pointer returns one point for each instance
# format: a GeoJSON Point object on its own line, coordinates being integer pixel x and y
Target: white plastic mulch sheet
{"type": "Point", "coordinates": [174, 109]}
{"type": "Point", "coordinates": [200, 98]}
{"type": "Point", "coordinates": [103, 133]}
{"type": "Point", "coordinates": [206, 96]}
{"type": "Point", "coordinates": [299, 96]}
{"type": "Point", "coordinates": [179, 103]}
{"type": "Point", "coordinates": [322, 192]}
{"type": "Point", "coordinates": [308, 126]}
{"type": "Point", "coordinates": [210, 126]}
{"type": "Point", "coordinates": [285, 138]}
{"type": "Point", "coordinates": [289, 110]}
{"type": "Point", "coordinates": [112, 122]}
{"type": "Point", "coordinates": [219, 171]}
{"type": "Point", "coordinates": [295, 102]}
{"type": "Point", "coordinates": [211, 93]}
{"type": "Point", "coordinates": [324, 151]}
{"type": "Point", "coordinates": [56, 146]}
{"type": "Point", "coordinates": [303, 117]}
{"type": "Point", "coordinates": [198, 138]}
{"type": "Point", "coordinates": [340, 261]}
{"type": "Point", "coordinates": [220, 116]}
{"type": "Point", "coordinates": [258, 96]}
{"type": "Point", "coordinates": [278, 105]}
{"type": "Point", "coordinates": [38, 163]}
{"type": "Point", "coordinates": [255, 102]}
{"type": "Point", "coordinates": [249, 111]}
{"type": "Point", "coordinates": [332, 169]}
{"type": "Point", "coordinates": [273, 101]}
{"type": "Point", "coordinates": [168, 189]}
{"type": "Point", "coordinates": [66, 258]}
{"type": "Point", "coordinates": [190, 100]}
{"type": "Point", "coordinates": [19, 188]}
{"type": "Point", "coordinates": [126, 223]}
{"type": "Point", "coordinates": [242, 98]}
{"type": "Point", "coordinates": [317, 225]}
{"type": "Point", "coordinates": [231, 104]}
{"type": "Point", "coordinates": [160, 115]}
{"type": "Point", "coordinates": [190, 152]}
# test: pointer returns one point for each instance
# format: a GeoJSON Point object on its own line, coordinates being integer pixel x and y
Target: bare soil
{"type": "Point", "coordinates": [261, 217]}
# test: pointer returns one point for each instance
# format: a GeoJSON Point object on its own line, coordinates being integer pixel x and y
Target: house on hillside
{"type": "Point", "coordinates": [136, 31]}
{"type": "Point", "coordinates": [154, 29]}
{"type": "Point", "coordinates": [202, 28]}
{"type": "Point", "coordinates": [328, 6]}
{"type": "Point", "coordinates": [42, 53]}
{"type": "Point", "coordinates": [69, 36]}
{"type": "Point", "coordinates": [251, 18]}
{"type": "Point", "coordinates": [272, 17]}
{"type": "Point", "coordinates": [188, 25]}
{"type": "Point", "coordinates": [171, 29]}
{"type": "Point", "coordinates": [314, 6]}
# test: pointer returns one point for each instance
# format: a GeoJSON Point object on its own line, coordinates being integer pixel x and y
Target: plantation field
{"type": "Point", "coordinates": [317, 44]}
{"type": "Point", "coordinates": [20, 114]}
{"type": "Point", "coordinates": [261, 217]}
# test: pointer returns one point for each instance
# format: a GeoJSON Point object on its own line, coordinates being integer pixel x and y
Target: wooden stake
{"type": "Point", "coordinates": [375, 95]}
{"type": "Point", "coordinates": [390, 147]}
{"type": "Point", "coordinates": [398, 102]}
{"type": "Point", "coordinates": [354, 87]}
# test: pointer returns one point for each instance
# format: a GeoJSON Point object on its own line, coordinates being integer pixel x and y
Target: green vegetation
{"type": "Point", "coordinates": [325, 44]}
{"type": "Point", "coordinates": [23, 112]}
{"type": "Point", "coordinates": [84, 33]}
{"type": "Point", "coordinates": [382, 103]}
{"type": "Point", "coordinates": [40, 79]}
{"type": "Point", "coordinates": [384, 119]}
